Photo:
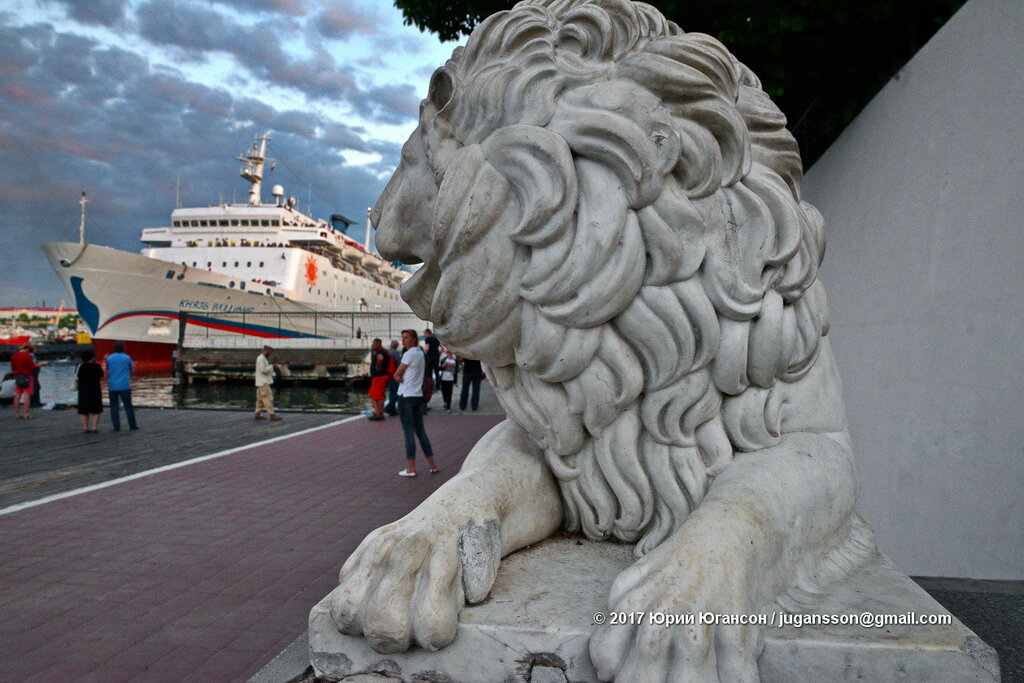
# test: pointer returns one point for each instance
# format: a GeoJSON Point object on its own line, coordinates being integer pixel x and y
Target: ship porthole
{"type": "Point", "coordinates": [64, 262]}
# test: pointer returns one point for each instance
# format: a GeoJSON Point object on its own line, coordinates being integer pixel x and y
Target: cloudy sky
{"type": "Point", "coordinates": [128, 100]}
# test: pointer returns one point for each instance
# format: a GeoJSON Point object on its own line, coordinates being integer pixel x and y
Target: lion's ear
{"type": "Point", "coordinates": [441, 90]}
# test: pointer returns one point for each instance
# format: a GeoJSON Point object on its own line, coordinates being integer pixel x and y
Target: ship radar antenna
{"type": "Point", "coordinates": [81, 219]}
{"type": "Point", "coordinates": [252, 171]}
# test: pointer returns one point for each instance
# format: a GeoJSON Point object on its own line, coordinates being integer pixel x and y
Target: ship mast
{"type": "Point", "coordinates": [369, 229]}
{"type": "Point", "coordinates": [254, 160]}
{"type": "Point", "coordinates": [81, 219]}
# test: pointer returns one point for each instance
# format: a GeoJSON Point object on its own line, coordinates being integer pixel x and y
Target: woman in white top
{"type": "Point", "coordinates": [410, 376]}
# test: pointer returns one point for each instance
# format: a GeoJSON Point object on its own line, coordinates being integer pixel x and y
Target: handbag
{"type": "Point", "coordinates": [22, 381]}
{"type": "Point", "coordinates": [74, 382]}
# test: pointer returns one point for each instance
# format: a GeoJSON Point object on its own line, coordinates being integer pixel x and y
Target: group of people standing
{"type": "Point", "coordinates": [408, 378]}
{"type": "Point", "coordinates": [88, 382]}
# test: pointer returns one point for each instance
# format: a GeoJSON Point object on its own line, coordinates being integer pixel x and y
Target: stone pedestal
{"type": "Point", "coordinates": [538, 619]}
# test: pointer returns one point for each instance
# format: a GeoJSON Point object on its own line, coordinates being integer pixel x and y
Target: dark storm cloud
{"type": "Point", "coordinates": [294, 8]}
{"type": "Point", "coordinates": [77, 115]}
{"type": "Point", "coordinates": [199, 29]}
{"type": "Point", "coordinates": [389, 103]}
{"type": "Point", "coordinates": [103, 12]}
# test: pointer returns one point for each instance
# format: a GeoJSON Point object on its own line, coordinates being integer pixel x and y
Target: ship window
{"type": "Point", "coordinates": [241, 285]}
{"type": "Point", "coordinates": [208, 264]}
{"type": "Point", "coordinates": [236, 264]}
{"type": "Point", "coordinates": [202, 224]}
{"type": "Point", "coordinates": [264, 222]}
{"type": "Point", "coordinates": [245, 222]}
{"type": "Point", "coordinates": [194, 223]}
{"type": "Point", "coordinates": [261, 264]}
{"type": "Point", "coordinates": [223, 223]}
{"type": "Point", "coordinates": [231, 284]}
{"type": "Point", "coordinates": [248, 264]}
{"type": "Point", "coordinates": [234, 221]}
{"type": "Point", "coordinates": [224, 264]}
{"type": "Point", "coordinates": [170, 274]}
{"type": "Point", "coordinates": [193, 264]}
{"type": "Point", "coordinates": [275, 222]}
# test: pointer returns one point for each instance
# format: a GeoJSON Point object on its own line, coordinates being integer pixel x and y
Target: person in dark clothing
{"type": "Point", "coordinates": [472, 374]}
{"type": "Point", "coordinates": [90, 393]}
{"type": "Point", "coordinates": [380, 374]}
{"type": "Point", "coordinates": [392, 407]}
{"type": "Point", "coordinates": [433, 355]}
{"type": "Point", "coordinates": [35, 400]}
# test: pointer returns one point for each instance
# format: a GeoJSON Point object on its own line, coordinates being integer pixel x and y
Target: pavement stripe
{"type": "Point", "coordinates": [165, 468]}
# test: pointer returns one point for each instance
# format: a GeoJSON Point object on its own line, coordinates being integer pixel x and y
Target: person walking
{"type": "Point", "coordinates": [264, 378]}
{"type": "Point", "coordinates": [119, 386]}
{"type": "Point", "coordinates": [472, 374]}
{"type": "Point", "coordinates": [90, 393]}
{"type": "Point", "coordinates": [381, 369]}
{"type": "Point", "coordinates": [410, 375]}
{"type": "Point", "coordinates": [449, 376]}
{"type": "Point", "coordinates": [392, 407]}
{"type": "Point", "coordinates": [24, 367]}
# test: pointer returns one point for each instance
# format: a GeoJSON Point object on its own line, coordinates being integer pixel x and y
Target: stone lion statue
{"type": "Point", "coordinates": [608, 214]}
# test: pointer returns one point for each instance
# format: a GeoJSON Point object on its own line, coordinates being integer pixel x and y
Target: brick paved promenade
{"type": "Point", "coordinates": [205, 572]}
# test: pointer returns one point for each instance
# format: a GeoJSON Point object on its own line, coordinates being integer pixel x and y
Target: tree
{"type": "Point", "coordinates": [821, 62]}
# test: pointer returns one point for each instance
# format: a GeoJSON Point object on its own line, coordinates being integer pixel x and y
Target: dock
{"type": "Point", "coordinates": [193, 549]}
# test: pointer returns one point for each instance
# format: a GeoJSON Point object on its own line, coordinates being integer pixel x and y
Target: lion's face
{"type": "Point", "coordinates": [403, 217]}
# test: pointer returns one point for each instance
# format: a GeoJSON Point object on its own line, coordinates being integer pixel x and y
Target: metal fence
{"type": "Point", "coordinates": [306, 328]}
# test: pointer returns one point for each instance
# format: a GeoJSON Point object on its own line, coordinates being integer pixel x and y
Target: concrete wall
{"type": "Point", "coordinates": [922, 197]}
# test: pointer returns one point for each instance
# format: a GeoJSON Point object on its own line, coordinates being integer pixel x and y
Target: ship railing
{"type": "Point", "coordinates": [312, 329]}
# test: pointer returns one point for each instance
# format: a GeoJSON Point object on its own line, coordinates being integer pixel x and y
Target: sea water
{"type": "Point", "coordinates": [164, 391]}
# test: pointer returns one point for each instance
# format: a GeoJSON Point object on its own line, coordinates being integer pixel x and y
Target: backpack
{"type": "Point", "coordinates": [428, 385]}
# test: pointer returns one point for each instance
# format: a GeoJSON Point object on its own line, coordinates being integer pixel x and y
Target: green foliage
{"type": "Point", "coordinates": [68, 321]}
{"type": "Point", "coordinates": [23, 317]}
{"type": "Point", "coordinates": [821, 62]}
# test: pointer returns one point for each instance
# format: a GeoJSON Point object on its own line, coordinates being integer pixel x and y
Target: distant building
{"type": "Point", "coordinates": [34, 313]}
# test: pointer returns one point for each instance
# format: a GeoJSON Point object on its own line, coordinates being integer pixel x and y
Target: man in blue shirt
{"type": "Point", "coordinates": [119, 383]}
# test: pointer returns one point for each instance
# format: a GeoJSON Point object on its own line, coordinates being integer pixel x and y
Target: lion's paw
{"type": "Point", "coordinates": [654, 651]}
{"type": "Point", "coordinates": [405, 584]}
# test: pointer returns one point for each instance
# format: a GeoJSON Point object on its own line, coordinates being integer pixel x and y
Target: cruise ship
{"type": "Point", "coordinates": [214, 263]}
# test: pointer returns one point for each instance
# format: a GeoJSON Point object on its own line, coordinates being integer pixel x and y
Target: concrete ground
{"type": "Point", "coordinates": [206, 572]}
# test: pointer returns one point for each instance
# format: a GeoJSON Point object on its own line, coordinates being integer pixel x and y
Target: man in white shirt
{"type": "Point", "coordinates": [409, 376]}
{"type": "Point", "coordinates": [264, 378]}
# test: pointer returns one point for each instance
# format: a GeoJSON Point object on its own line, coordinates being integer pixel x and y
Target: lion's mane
{"type": "Point", "coordinates": [621, 237]}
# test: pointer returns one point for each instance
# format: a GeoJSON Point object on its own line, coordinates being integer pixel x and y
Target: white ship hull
{"type": "Point", "coordinates": [124, 296]}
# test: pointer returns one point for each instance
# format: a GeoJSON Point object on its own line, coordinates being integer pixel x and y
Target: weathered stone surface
{"type": "Point", "coordinates": [545, 598]}
{"type": "Point", "coordinates": [608, 214]}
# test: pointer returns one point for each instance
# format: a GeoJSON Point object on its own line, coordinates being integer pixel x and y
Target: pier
{"type": "Point", "coordinates": [194, 548]}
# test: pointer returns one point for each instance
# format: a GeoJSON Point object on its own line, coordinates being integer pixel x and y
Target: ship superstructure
{"type": "Point", "coordinates": [227, 259]}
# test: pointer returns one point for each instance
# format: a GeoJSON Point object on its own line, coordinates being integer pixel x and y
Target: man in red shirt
{"type": "Point", "coordinates": [23, 365]}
